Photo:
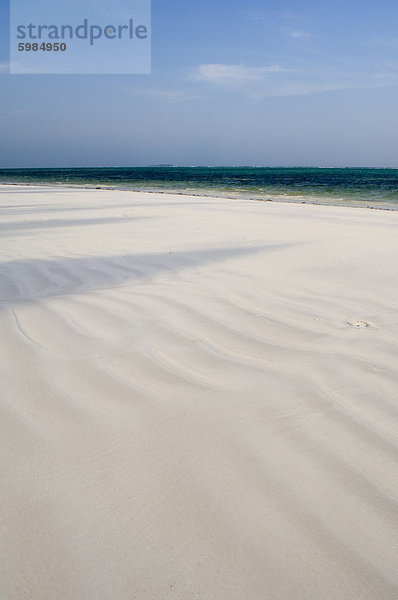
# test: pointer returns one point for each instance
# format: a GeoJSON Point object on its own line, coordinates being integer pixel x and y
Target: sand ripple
{"type": "Point", "coordinates": [187, 413]}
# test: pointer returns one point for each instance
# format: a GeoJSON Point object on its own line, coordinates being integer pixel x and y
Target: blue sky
{"type": "Point", "coordinates": [254, 82]}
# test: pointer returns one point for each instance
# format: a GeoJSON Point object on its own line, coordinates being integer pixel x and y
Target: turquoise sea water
{"type": "Point", "coordinates": [365, 187]}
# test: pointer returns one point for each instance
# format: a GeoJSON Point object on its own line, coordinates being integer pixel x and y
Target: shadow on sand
{"type": "Point", "coordinates": [28, 280]}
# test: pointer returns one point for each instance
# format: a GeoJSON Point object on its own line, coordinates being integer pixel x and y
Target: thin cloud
{"type": "Point", "coordinates": [164, 94]}
{"type": "Point", "coordinates": [259, 82]}
{"type": "Point", "coordinates": [297, 33]}
{"type": "Point", "coordinates": [256, 15]}
{"type": "Point", "coordinates": [16, 112]}
{"type": "Point", "coordinates": [303, 89]}
{"type": "Point", "coordinates": [220, 73]}
{"type": "Point", "coordinates": [384, 42]}
{"type": "Point", "coordinates": [173, 96]}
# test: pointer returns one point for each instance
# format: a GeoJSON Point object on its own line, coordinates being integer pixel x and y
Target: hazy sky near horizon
{"type": "Point", "coordinates": [233, 83]}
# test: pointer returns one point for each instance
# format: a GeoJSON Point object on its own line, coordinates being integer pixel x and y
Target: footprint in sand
{"type": "Point", "coordinates": [359, 324]}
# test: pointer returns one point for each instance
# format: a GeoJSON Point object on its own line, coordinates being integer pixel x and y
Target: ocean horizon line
{"type": "Point", "coordinates": [178, 166]}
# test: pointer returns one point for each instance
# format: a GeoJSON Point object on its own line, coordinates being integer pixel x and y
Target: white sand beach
{"type": "Point", "coordinates": [199, 398]}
